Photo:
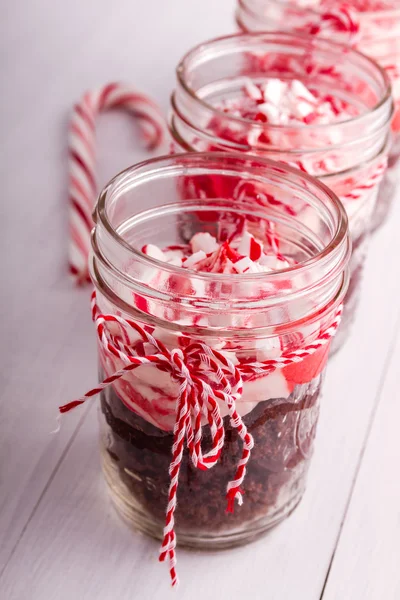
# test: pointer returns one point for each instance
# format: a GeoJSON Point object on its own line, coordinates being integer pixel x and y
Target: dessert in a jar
{"type": "Point", "coordinates": [372, 26]}
{"type": "Point", "coordinates": [309, 102]}
{"type": "Point", "coordinates": [213, 348]}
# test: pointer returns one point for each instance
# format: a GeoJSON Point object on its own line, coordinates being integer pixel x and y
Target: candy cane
{"type": "Point", "coordinates": [196, 397]}
{"type": "Point", "coordinates": [82, 177]}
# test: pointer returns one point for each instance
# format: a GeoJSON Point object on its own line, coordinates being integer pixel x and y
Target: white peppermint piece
{"type": "Point", "coordinates": [245, 243]}
{"type": "Point", "coordinates": [274, 90]}
{"type": "Point", "coordinates": [205, 242]}
{"type": "Point", "coordinates": [194, 259]}
{"type": "Point", "coordinates": [301, 109]}
{"type": "Point", "coordinates": [252, 90]}
{"type": "Point", "coordinates": [176, 262]}
{"type": "Point", "coordinates": [253, 137]}
{"type": "Point", "coordinates": [245, 265]}
{"type": "Point", "coordinates": [154, 252]}
{"type": "Point", "coordinates": [198, 286]}
{"type": "Point", "coordinates": [300, 91]}
{"type": "Point", "coordinates": [264, 269]}
{"type": "Point", "coordinates": [172, 255]}
{"type": "Point", "coordinates": [268, 261]}
{"type": "Point", "coordinates": [325, 109]}
{"type": "Point", "coordinates": [271, 111]}
{"type": "Point", "coordinates": [272, 263]}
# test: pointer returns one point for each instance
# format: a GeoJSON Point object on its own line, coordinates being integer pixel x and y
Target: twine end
{"type": "Point", "coordinates": [174, 579]}
{"type": "Point", "coordinates": [58, 426]}
{"type": "Point", "coordinates": [67, 407]}
{"type": "Point", "coordinates": [231, 496]}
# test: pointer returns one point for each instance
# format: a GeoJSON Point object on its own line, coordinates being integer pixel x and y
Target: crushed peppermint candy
{"type": "Point", "coordinates": [359, 5]}
{"type": "Point", "coordinates": [242, 253]}
{"type": "Point", "coordinates": [280, 102]}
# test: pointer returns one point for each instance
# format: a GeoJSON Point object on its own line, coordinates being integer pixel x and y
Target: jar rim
{"type": "Point", "coordinates": [290, 37]}
{"type": "Point", "coordinates": [240, 332]}
{"type": "Point", "coordinates": [270, 150]}
{"type": "Point", "coordinates": [338, 238]}
{"type": "Point", "coordinates": [326, 270]}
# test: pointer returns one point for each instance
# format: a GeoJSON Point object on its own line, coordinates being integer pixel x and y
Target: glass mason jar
{"type": "Point", "coordinates": [373, 27]}
{"type": "Point", "coordinates": [247, 319]}
{"type": "Point", "coordinates": [349, 156]}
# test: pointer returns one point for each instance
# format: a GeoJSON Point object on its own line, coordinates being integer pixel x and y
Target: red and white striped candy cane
{"type": "Point", "coordinates": [192, 367]}
{"type": "Point", "coordinates": [82, 173]}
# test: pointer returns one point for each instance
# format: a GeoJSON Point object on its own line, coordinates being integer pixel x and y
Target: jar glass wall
{"type": "Point", "coordinates": [349, 153]}
{"type": "Point", "coordinates": [242, 318]}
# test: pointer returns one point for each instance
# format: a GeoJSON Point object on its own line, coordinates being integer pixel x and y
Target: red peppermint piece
{"type": "Point", "coordinates": [256, 249]}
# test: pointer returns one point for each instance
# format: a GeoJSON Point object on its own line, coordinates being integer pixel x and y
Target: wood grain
{"type": "Point", "coordinates": [366, 562]}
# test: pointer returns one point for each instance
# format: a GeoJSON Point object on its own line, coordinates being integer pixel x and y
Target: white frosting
{"type": "Point", "coordinates": [159, 390]}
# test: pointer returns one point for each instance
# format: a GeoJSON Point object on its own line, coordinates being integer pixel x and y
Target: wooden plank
{"type": "Point", "coordinates": [367, 559]}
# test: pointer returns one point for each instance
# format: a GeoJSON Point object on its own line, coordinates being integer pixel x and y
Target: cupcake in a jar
{"type": "Point", "coordinates": [212, 351]}
{"type": "Point", "coordinates": [309, 102]}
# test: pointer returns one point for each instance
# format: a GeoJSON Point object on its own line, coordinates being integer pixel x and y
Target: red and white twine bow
{"type": "Point", "coordinates": [82, 174]}
{"type": "Point", "coordinates": [197, 399]}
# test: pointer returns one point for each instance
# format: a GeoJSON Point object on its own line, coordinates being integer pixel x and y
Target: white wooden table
{"type": "Point", "coordinates": [59, 535]}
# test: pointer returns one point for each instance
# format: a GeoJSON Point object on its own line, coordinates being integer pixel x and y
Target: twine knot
{"type": "Point", "coordinates": [207, 379]}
